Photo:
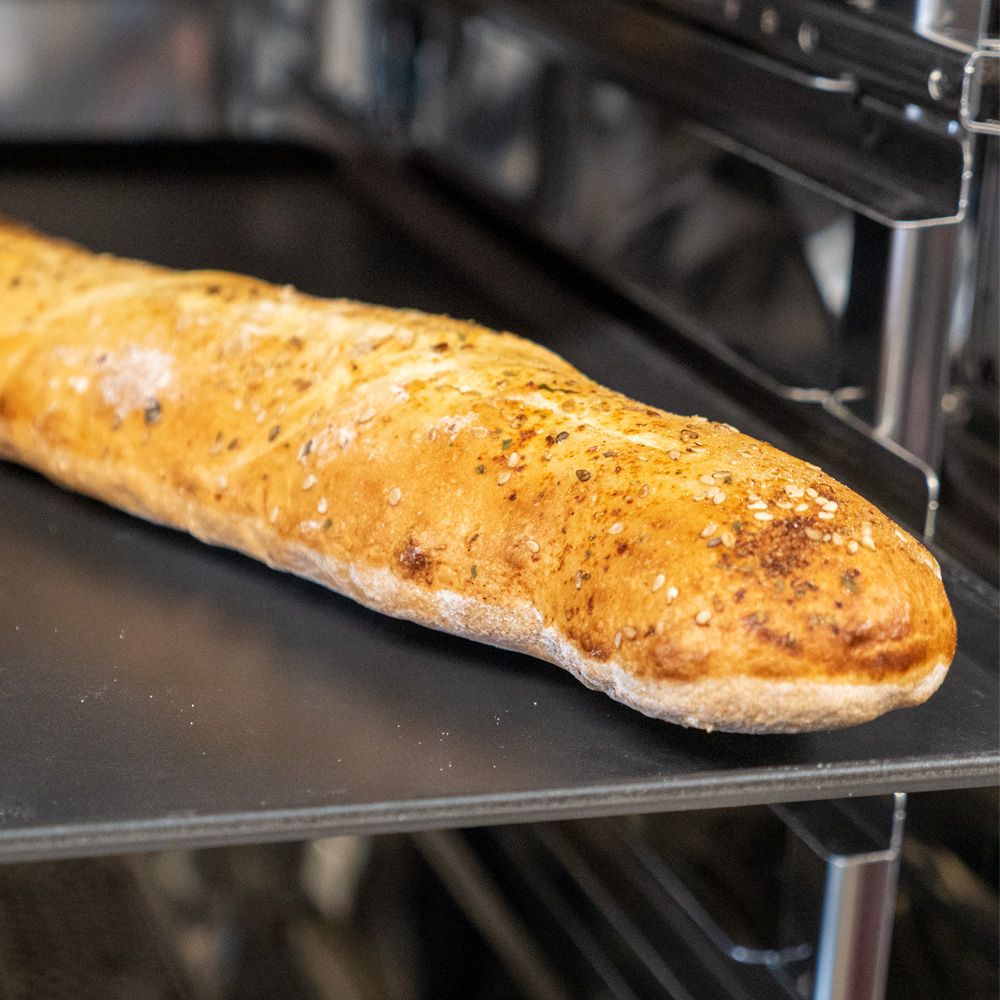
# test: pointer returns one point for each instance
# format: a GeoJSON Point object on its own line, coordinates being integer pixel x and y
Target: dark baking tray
{"type": "Point", "coordinates": [155, 691]}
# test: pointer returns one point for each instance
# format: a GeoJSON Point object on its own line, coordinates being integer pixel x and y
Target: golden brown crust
{"type": "Point", "coordinates": [471, 481]}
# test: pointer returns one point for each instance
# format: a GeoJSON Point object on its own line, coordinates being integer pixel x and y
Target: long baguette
{"type": "Point", "coordinates": [470, 481]}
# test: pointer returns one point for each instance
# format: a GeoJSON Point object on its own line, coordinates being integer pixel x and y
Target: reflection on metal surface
{"type": "Point", "coordinates": [108, 67]}
{"type": "Point", "coordinates": [859, 843]}
{"type": "Point", "coordinates": [979, 81]}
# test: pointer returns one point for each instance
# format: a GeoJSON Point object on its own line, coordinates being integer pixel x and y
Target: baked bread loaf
{"type": "Point", "coordinates": [470, 481]}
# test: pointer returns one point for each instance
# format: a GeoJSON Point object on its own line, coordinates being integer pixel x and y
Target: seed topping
{"type": "Point", "coordinates": [503, 477]}
{"type": "Point", "coordinates": [672, 592]}
{"type": "Point", "coordinates": [630, 632]}
{"type": "Point", "coordinates": [658, 582]}
{"type": "Point", "coordinates": [531, 545]}
{"type": "Point", "coordinates": [709, 529]}
{"type": "Point", "coordinates": [395, 495]}
{"type": "Point", "coordinates": [615, 528]}
{"type": "Point", "coordinates": [762, 516]}
{"type": "Point", "coordinates": [852, 546]}
{"type": "Point", "coordinates": [512, 459]}
{"type": "Point", "coordinates": [703, 617]}
{"type": "Point", "coordinates": [757, 505]}
{"type": "Point", "coordinates": [719, 498]}
{"type": "Point", "coordinates": [309, 482]}
{"type": "Point", "coordinates": [583, 475]}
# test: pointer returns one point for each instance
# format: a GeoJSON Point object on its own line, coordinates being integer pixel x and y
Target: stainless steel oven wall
{"type": "Point", "coordinates": [109, 68]}
{"type": "Point", "coordinates": [796, 182]}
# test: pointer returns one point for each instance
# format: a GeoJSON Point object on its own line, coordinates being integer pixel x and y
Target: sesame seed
{"type": "Point", "coordinates": [658, 582]}
{"type": "Point", "coordinates": [811, 492]}
{"type": "Point", "coordinates": [703, 617]}
{"type": "Point", "coordinates": [719, 498]}
{"type": "Point", "coordinates": [321, 506]}
{"type": "Point", "coordinates": [707, 480]}
{"type": "Point", "coordinates": [274, 515]}
{"type": "Point", "coordinates": [826, 537]}
{"type": "Point", "coordinates": [698, 450]}
{"type": "Point", "coordinates": [674, 454]}
{"type": "Point", "coordinates": [630, 633]}
{"type": "Point", "coordinates": [615, 528]}
{"type": "Point", "coordinates": [503, 477]}
{"type": "Point", "coordinates": [866, 528]}
{"type": "Point", "coordinates": [643, 491]}
{"type": "Point", "coordinates": [672, 592]}
{"type": "Point", "coordinates": [799, 507]}
{"type": "Point", "coordinates": [830, 505]}
{"type": "Point", "coordinates": [813, 534]}
{"type": "Point", "coordinates": [366, 416]}
{"type": "Point", "coordinates": [578, 579]}
{"type": "Point", "coordinates": [794, 491]}
{"type": "Point", "coordinates": [852, 546]}
{"type": "Point", "coordinates": [709, 529]}
{"type": "Point", "coordinates": [713, 542]}
{"type": "Point", "coordinates": [309, 482]}
{"type": "Point", "coordinates": [826, 515]}
{"type": "Point", "coordinates": [479, 432]}
{"type": "Point", "coordinates": [753, 497]}
{"type": "Point", "coordinates": [561, 436]}
{"type": "Point", "coordinates": [531, 545]}
{"type": "Point", "coordinates": [899, 534]}
{"type": "Point", "coordinates": [757, 505]}
{"type": "Point", "coordinates": [838, 539]}
{"type": "Point", "coordinates": [395, 495]}
{"type": "Point", "coordinates": [618, 639]}
{"type": "Point", "coordinates": [762, 516]}
{"type": "Point", "coordinates": [721, 474]}
{"type": "Point", "coordinates": [512, 459]}
{"type": "Point", "coordinates": [783, 504]}
{"type": "Point", "coordinates": [712, 493]}
{"type": "Point", "coordinates": [728, 539]}
{"type": "Point", "coordinates": [868, 542]}
{"type": "Point", "coordinates": [699, 496]}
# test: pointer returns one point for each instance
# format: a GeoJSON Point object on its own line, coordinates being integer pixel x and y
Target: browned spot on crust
{"type": "Point", "coordinates": [591, 645]}
{"type": "Point", "coordinates": [892, 662]}
{"type": "Point", "coordinates": [670, 663]}
{"type": "Point", "coordinates": [415, 563]}
{"type": "Point", "coordinates": [782, 548]}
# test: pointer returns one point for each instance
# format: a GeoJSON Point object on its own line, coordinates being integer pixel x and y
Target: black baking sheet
{"type": "Point", "coordinates": [155, 691]}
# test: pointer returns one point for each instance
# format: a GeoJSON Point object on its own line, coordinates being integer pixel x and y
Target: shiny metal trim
{"type": "Point", "coordinates": [989, 48]}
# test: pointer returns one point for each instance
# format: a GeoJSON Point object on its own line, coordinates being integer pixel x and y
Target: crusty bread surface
{"type": "Point", "coordinates": [473, 482]}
